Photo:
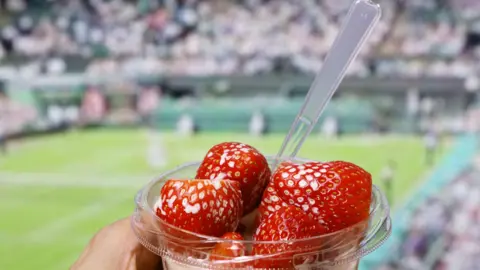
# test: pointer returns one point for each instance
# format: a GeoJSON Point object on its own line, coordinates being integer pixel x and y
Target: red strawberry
{"type": "Point", "coordinates": [238, 162]}
{"type": "Point", "coordinates": [287, 223]}
{"type": "Point", "coordinates": [226, 250]}
{"type": "Point", "coordinates": [337, 193]}
{"type": "Point", "coordinates": [270, 200]}
{"type": "Point", "coordinates": [269, 204]}
{"type": "Point", "coordinates": [201, 206]}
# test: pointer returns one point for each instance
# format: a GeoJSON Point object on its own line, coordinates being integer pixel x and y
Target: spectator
{"type": "Point", "coordinates": [93, 106]}
{"type": "Point", "coordinates": [431, 145]}
{"type": "Point", "coordinates": [387, 176]}
{"type": "Point", "coordinates": [3, 116]}
{"type": "Point", "coordinates": [148, 102]}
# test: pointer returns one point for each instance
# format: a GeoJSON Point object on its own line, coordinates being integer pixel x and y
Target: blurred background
{"type": "Point", "coordinates": [97, 97]}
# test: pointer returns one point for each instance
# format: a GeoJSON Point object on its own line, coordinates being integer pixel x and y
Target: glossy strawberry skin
{"type": "Point", "coordinates": [201, 206]}
{"type": "Point", "coordinates": [269, 204]}
{"type": "Point", "coordinates": [238, 162]}
{"type": "Point", "coordinates": [270, 200]}
{"type": "Point", "coordinates": [286, 223]}
{"type": "Point", "coordinates": [337, 193]}
{"type": "Point", "coordinates": [226, 250]}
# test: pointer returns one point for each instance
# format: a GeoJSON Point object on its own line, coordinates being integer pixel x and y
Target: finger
{"type": "Point", "coordinates": [139, 257]}
{"type": "Point", "coordinates": [116, 247]}
{"type": "Point", "coordinates": [92, 251]}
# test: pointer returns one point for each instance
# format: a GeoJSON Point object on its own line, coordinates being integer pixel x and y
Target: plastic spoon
{"type": "Point", "coordinates": [360, 20]}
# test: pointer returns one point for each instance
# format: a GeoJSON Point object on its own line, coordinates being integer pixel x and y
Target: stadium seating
{"type": "Point", "coordinates": [208, 38]}
{"type": "Point", "coordinates": [417, 219]}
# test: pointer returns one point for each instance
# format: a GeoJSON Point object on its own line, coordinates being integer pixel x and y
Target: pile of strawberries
{"type": "Point", "coordinates": [297, 201]}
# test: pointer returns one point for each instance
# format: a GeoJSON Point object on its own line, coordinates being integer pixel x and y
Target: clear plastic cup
{"type": "Point", "coordinates": [181, 249]}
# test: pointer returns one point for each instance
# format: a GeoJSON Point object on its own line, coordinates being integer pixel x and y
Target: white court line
{"type": "Point", "coordinates": [98, 157]}
{"type": "Point", "coordinates": [58, 228]}
{"type": "Point", "coordinates": [70, 240]}
{"type": "Point", "coordinates": [67, 176]}
{"type": "Point", "coordinates": [72, 180]}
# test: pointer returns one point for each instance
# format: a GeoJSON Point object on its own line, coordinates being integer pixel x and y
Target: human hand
{"type": "Point", "coordinates": [115, 247]}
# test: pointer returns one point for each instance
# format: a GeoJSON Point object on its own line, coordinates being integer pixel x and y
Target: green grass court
{"type": "Point", "coordinates": [57, 191]}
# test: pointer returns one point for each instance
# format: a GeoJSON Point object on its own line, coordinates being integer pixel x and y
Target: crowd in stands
{"type": "Point", "coordinates": [95, 108]}
{"type": "Point", "coordinates": [13, 115]}
{"type": "Point", "coordinates": [444, 232]}
{"type": "Point", "coordinates": [204, 37]}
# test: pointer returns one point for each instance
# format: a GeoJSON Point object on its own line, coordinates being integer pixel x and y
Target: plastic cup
{"type": "Point", "coordinates": [182, 249]}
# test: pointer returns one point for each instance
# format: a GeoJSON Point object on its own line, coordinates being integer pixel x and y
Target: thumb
{"type": "Point", "coordinates": [115, 247]}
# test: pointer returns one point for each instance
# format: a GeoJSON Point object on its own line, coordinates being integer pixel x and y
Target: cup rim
{"type": "Point", "coordinates": [378, 200]}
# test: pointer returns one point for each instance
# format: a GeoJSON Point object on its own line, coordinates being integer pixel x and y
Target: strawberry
{"type": "Point", "coordinates": [238, 162]}
{"type": "Point", "coordinates": [336, 193]}
{"type": "Point", "coordinates": [286, 223]}
{"type": "Point", "coordinates": [228, 250]}
{"type": "Point", "coordinates": [201, 206]}
{"type": "Point", "coordinates": [269, 204]}
{"type": "Point", "coordinates": [270, 200]}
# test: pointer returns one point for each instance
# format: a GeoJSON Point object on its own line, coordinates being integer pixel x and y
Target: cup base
{"type": "Point", "coordinates": [170, 264]}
